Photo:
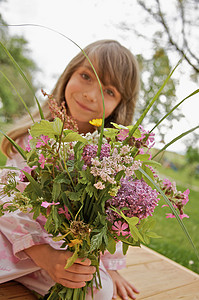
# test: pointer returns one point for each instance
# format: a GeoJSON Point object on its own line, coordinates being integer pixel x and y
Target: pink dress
{"type": "Point", "coordinates": [20, 231]}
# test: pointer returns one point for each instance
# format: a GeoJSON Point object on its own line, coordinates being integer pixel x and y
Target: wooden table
{"type": "Point", "coordinates": [155, 276]}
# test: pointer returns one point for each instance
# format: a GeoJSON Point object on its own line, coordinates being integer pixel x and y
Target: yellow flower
{"type": "Point", "coordinates": [75, 242]}
{"type": "Point", "coordinates": [96, 122]}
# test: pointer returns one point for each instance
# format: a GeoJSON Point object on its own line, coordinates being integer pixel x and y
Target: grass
{"type": "Point", "coordinates": [174, 243]}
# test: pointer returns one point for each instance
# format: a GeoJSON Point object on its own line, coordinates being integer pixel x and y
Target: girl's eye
{"type": "Point", "coordinates": [110, 92]}
{"type": "Point", "coordinates": [85, 76]}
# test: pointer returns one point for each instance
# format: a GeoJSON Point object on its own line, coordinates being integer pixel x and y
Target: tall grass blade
{"type": "Point", "coordinates": [192, 94]}
{"type": "Point", "coordinates": [17, 147]}
{"type": "Point", "coordinates": [173, 211]}
{"type": "Point", "coordinates": [175, 139]}
{"type": "Point", "coordinates": [26, 107]}
{"type": "Point", "coordinates": [155, 98]}
{"type": "Point", "coordinates": [24, 77]}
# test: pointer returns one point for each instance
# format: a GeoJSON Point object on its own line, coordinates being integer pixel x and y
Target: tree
{"type": "Point", "coordinates": [10, 105]}
{"type": "Point", "coordinates": [169, 30]}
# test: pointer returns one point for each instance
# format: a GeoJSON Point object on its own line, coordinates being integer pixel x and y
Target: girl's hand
{"type": "Point", "coordinates": [122, 287]}
{"type": "Point", "coordinates": [53, 261]}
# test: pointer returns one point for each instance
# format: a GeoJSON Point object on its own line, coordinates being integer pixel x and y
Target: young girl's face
{"type": "Point", "coordinates": [84, 99]}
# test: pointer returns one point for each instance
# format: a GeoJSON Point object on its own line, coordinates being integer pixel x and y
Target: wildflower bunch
{"type": "Point", "coordinates": [90, 201]}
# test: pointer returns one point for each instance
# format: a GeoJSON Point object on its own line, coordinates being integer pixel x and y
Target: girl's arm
{"type": "Point", "coordinates": [53, 262]}
{"type": "Point", "coordinates": [112, 263]}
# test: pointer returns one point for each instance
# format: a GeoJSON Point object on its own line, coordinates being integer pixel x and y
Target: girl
{"type": "Point", "coordinates": [28, 255]}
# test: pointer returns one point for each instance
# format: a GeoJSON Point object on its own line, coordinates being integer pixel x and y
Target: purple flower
{"type": "Point", "coordinates": [105, 151]}
{"type": "Point", "coordinates": [89, 151]}
{"type": "Point", "coordinates": [136, 196]}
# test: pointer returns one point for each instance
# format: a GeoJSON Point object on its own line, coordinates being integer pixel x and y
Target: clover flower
{"type": "Point", "coordinates": [136, 196]}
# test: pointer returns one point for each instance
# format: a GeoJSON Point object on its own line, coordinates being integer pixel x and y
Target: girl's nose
{"type": "Point", "coordinates": [91, 95]}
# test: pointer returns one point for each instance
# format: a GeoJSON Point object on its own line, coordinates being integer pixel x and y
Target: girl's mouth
{"type": "Point", "coordinates": [84, 107]}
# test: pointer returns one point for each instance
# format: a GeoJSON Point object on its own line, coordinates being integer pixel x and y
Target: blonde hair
{"type": "Point", "coordinates": [115, 64]}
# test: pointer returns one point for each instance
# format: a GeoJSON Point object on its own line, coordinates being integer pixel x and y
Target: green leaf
{"type": "Point", "coordinates": [142, 157]}
{"type": "Point", "coordinates": [35, 185]}
{"type": "Point", "coordinates": [125, 248]}
{"type": "Point", "coordinates": [72, 136]}
{"type": "Point", "coordinates": [96, 240]}
{"type": "Point", "coordinates": [132, 221]}
{"type": "Point", "coordinates": [153, 235]}
{"type": "Point", "coordinates": [56, 190]}
{"type": "Point", "coordinates": [45, 127]}
{"type": "Point", "coordinates": [71, 260]}
{"type": "Point", "coordinates": [17, 147]}
{"type": "Point", "coordinates": [111, 247]}
{"type": "Point", "coordinates": [135, 233]}
{"type": "Point", "coordinates": [151, 163]}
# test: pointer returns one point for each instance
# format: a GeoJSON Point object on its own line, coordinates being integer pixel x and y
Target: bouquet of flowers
{"type": "Point", "coordinates": [94, 190]}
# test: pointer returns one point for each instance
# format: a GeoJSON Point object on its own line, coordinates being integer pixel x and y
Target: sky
{"type": "Point", "coordinates": [84, 22]}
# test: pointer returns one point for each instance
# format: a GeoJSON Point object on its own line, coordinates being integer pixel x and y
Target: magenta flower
{"type": "Point", "coordinates": [65, 212]}
{"type": "Point", "coordinates": [28, 170]}
{"type": "Point", "coordinates": [42, 161]}
{"type": "Point", "coordinates": [47, 204]}
{"type": "Point", "coordinates": [119, 228]}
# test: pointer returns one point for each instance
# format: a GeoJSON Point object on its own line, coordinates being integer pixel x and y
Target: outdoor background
{"type": "Point", "coordinates": [159, 33]}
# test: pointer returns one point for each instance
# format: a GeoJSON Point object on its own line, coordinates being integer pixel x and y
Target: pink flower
{"type": "Point", "coordinates": [41, 161]}
{"type": "Point", "coordinates": [65, 212]}
{"type": "Point", "coordinates": [185, 194]}
{"type": "Point", "coordinates": [43, 141]}
{"type": "Point", "coordinates": [28, 170]}
{"type": "Point", "coordinates": [28, 148]}
{"type": "Point", "coordinates": [123, 134]}
{"type": "Point", "coordinates": [181, 216]}
{"type": "Point", "coordinates": [47, 204]}
{"type": "Point", "coordinates": [170, 216]}
{"type": "Point", "coordinates": [119, 227]}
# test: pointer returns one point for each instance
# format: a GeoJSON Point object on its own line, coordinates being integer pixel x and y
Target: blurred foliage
{"type": "Point", "coordinates": [154, 71]}
{"type": "Point", "coordinates": [10, 105]}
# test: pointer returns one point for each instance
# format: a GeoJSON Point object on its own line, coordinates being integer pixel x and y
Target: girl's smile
{"type": "Point", "coordinates": [84, 99]}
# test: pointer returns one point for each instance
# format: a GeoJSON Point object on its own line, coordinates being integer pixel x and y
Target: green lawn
{"type": "Point", "coordinates": [174, 244]}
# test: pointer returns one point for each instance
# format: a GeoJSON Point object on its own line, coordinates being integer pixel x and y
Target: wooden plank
{"type": "Point", "coordinates": [13, 290]}
{"type": "Point", "coordinates": [157, 275]}
{"type": "Point", "coordinates": [188, 292]}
